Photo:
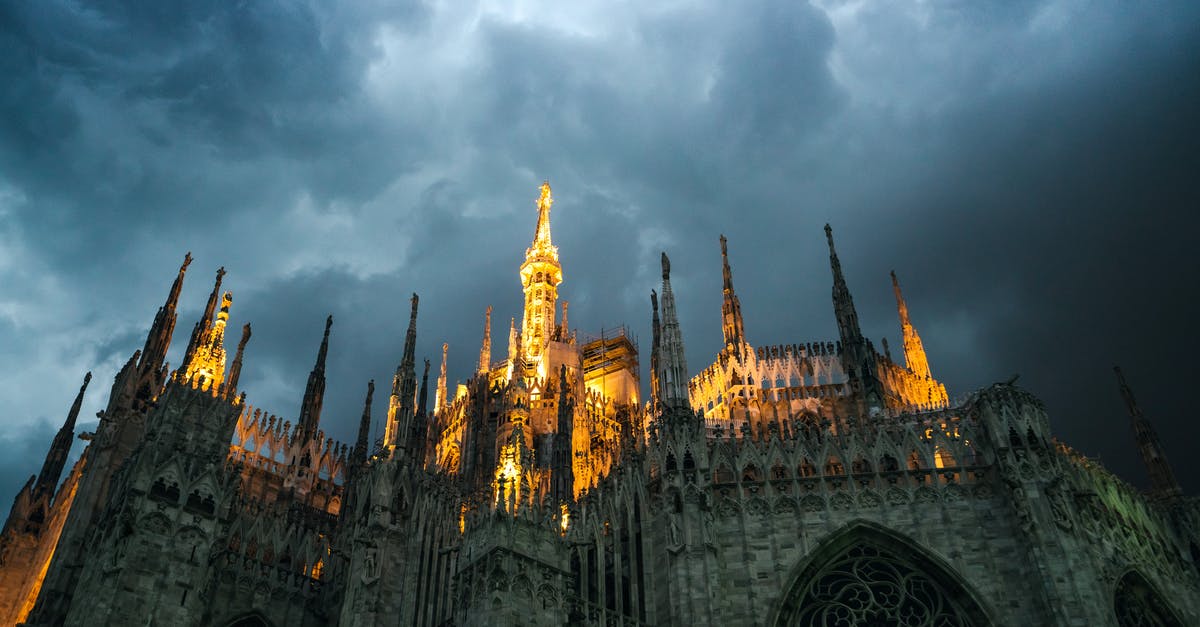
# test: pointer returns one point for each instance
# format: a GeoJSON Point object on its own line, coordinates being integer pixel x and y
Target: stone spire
{"type": "Point", "coordinates": [655, 348]}
{"type": "Point", "coordinates": [404, 384]}
{"type": "Point", "coordinates": [235, 371]}
{"type": "Point", "coordinates": [421, 420]}
{"type": "Point", "coordinates": [731, 308]}
{"type": "Point", "coordinates": [363, 443]}
{"type": "Point", "coordinates": [562, 471]}
{"type": "Point", "coordinates": [314, 392]}
{"type": "Point", "coordinates": [1162, 478]}
{"type": "Point", "coordinates": [672, 365]}
{"type": "Point", "coordinates": [566, 331]}
{"type": "Point", "coordinates": [485, 349]}
{"type": "Point", "coordinates": [843, 304]}
{"type": "Point", "coordinates": [540, 275]}
{"type": "Point", "coordinates": [56, 458]}
{"type": "Point", "coordinates": [440, 400]}
{"type": "Point", "coordinates": [159, 339]}
{"type": "Point", "coordinates": [914, 351]}
{"type": "Point", "coordinates": [857, 355]}
{"type": "Point", "coordinates": [202, 326]}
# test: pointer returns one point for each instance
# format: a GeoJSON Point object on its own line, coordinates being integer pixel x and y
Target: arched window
{"type": "Point", "coordinates": [865, 576]}
{"type": "Point", "coordinates": [1137, 604]}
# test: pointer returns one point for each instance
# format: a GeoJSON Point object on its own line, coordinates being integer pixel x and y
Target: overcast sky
{"type": "Point", "coordinates": [1029, 169]}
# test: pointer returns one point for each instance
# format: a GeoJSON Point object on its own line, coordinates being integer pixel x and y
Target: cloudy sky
{"type": "Point", "coordinates": [1029, 169]}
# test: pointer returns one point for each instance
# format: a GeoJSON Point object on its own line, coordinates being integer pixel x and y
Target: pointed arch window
{"type": "Point", "coordinates": [1137, 604]}
{"type": "Point", "coordinates": [865, 577]}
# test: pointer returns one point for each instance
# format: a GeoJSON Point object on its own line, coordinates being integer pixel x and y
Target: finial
{"type": "Point", "coordinates": [666, 267]}
{"type": "Point", "coordinates": [187, 261]}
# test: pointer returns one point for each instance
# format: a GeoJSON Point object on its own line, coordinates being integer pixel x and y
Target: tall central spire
{"type": "Point", "coordinates": [540, 276]}
{"type": "Point", "coordinates": [541, 235]}
{"type": "Point", "coordinates": [731, 308]}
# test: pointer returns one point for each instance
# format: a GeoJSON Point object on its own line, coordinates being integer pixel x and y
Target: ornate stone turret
{"type": "Point", "coordinates": [731, 309]}
{"type": "Point", "coordinates": [404, 384]}
{"type": "Point", "coordinates": [672, 365]}
{"type": "Point", "coordinates": [440, 400]}
{"type": "Point", "coordinates": [56, 458]}
{"type": "Point", "coordinates": [158, 340]}
{"type": "Point", "coordinates": [1162, 478]}
{"type": "Point", "coordinates": [203, 325]}
{"type": "Point", "coordinates": [914, 351]}
{"type": "Point", "coordinates": [314, 392]}
{"type": "Point", "coordinates": [235, 370]}
{"type": "Point", "coordinates": [485, 350]}
{"type": "Point", "coordinates": [541, 275]}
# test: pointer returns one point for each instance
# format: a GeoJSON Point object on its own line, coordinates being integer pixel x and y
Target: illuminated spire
{"type": "Point", "coordinates": [440, 400]}
{"type": "Point", "coordinates": [206, 357]}
{"type": "Point", "coordinates": [731, 308]}
{"type": "Point", "coordinates": [672, 365]}
{"type": "Point", "coordinates": [159, 338]}
{"type": "Point", "coordinates": [914, 351]}
{"type": "Point", "coordinates": [541, 275]}
{"type": "Point", "coordinates": [404, 384]}
{"type": "Point", "coordinates": [56, 458]}
{"type": "Point", "coordinates": [541, 235]}
{"type": "Point", "coordinates": [314, 392]}
{"type": "Point", "coordinates": [485, 350]}
{"type": "Point", "coordinates": [1162, 478]}
{"type": "Point", "coordinates": [235, 371]}
{"type": "Point", "coordinates": [203, 324]}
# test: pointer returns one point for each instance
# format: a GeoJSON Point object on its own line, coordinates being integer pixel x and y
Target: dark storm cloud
{"type": "Point", "coordinates": [1025, 167]}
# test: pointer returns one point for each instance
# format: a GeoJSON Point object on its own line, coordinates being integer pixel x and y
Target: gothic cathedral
{"type": "Point", "coordinates": [820, 484]}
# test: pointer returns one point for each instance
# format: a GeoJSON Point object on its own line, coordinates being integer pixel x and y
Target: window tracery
{"type": "Point", "coordinates": [868, 585]}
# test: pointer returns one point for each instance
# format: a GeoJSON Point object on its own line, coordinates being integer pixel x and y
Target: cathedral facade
{"type": "Point", "coordinates": [823, 483]}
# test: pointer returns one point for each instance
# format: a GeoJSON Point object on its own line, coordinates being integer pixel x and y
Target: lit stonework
{"type": "Point", "coordinates": [789, 484]}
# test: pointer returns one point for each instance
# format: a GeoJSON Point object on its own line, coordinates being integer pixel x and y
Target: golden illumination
{"type": "Point", "coordinates": [565, 519]}
{"type": "Point", "coordinates": [209, 360]}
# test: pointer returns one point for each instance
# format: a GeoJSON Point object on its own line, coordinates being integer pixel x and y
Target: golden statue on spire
{"type": "Point", "coordinates": [545, 200]}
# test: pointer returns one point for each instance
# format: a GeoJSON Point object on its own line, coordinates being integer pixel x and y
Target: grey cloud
{"type": "Point", "coordinates": [1025, 167]}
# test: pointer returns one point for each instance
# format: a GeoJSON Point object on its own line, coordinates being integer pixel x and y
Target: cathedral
{"type": "Point", "coordinates": [824, 483]}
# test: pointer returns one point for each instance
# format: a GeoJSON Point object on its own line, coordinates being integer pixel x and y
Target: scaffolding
{"type": "Point", "coordinates": [610, 353]}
